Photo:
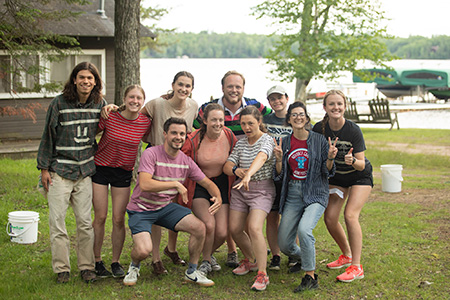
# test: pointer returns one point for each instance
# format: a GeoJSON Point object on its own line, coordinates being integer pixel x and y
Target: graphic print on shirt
{"type": "Point", "coordinates": [298, 160]}
{"type": "Point", "coordinates": [343, 148]}
{"type": "Point", "coordinates": [82, 138]}
{"type": "Point", "coordinates": [278, 131]}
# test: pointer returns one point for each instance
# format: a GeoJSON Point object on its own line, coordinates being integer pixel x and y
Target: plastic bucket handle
{"type": "Point", "coordinates": [11, 234]}
{"type": "Point", "coordinates": [394, 175]}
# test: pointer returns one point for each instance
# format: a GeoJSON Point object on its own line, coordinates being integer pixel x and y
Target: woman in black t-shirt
{"type": "Point", "coordinates": [353, 180]}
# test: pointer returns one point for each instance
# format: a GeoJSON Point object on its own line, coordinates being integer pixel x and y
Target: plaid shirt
{"type": "Point", "coordinates": [68, 143]}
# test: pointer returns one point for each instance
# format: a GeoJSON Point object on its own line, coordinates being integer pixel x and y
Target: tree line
{"type": "Point", "coordinates": [242, 45]}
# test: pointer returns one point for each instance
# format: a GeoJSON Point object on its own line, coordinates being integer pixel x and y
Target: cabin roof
{"type": "Point", "coordinates": [90, 23]}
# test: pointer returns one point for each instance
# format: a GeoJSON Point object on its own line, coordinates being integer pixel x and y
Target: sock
{"type": "Point", "coordinates": [136, 265]}
{"type": "Point", "coordinates": [192, 267]}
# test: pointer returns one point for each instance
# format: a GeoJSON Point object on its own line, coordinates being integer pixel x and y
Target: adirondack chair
{"type": "Point", "coordinates": [380, 113]}
{"type": "Point", "coordinates": [351, 113]}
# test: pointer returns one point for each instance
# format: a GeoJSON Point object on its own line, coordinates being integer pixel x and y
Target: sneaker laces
{"type": "Point", "coordinates": [260, 277]}
{"type": "Point", "coordinates": [245, 262]}
{"type": "Point", "coordinates": [351, 269]}
{"type": "Point", "coordinates": [343, 259]}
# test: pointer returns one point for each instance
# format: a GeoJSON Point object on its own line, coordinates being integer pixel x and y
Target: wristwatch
{"type": "Point", "coordinates": [234, 169]}
{"type": "Point", "coordinates": [354, 160]}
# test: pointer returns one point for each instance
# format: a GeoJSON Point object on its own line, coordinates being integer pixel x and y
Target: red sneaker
{"type": "Point", "coordinates": [351, 273]}
{"type": "Point", "coordinates": [261, 282]}
{"type": "Point", "coordinates": [342, 261]}
{"type": "Point", "coordinates": [245, 266]}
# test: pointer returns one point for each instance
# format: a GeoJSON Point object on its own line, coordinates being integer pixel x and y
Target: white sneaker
{"type": "Point", "coordinates": [214, 264]}
{"type": "Point", "coordinates": [198, 277]}
{"type": "Point", "coordinates": [132, 275]}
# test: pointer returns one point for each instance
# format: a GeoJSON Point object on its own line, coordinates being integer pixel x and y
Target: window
{"type": "Point", "coordinates": [57, 72]}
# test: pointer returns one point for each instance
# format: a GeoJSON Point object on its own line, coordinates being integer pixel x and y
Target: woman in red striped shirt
{"type": "Point", "coordinates": [114, 160]}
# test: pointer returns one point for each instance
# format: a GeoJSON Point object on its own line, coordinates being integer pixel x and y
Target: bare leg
{"type": "Point", "coordinates": [255, 224]}
{"type": "Point", "coordinates": [196, 229]}
{"type": "Point", "coordinates": [142, 246]}
{"type": "Point", "coordinates": [172, 242]}
{"type": "Point", "coordinates": [156, 240]}
{"type": "Point", "coordinates": [237, 226]}
{"type": "Point", "coordinates": [357, 197]}
{"type": "Point", "coordinates": [120, 197]}
{"type": "Point", "coordinates": [100, 203]}
{"type": "Point", "coordinates": [331, 217]}
{"type": "Point", "coordinates": [200, 209]}
{"type": "Point", "coordinates": [221, 231]}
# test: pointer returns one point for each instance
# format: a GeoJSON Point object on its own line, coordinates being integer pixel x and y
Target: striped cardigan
{"type": "Point", "coordinates": [316, 185]}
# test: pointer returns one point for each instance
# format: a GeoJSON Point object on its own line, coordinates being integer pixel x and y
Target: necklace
{"type": "Point", "coordinates": [335, 133]}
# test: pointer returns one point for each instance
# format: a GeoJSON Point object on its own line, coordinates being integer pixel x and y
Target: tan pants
{"type": "Point", "coordinates": [78, 194]}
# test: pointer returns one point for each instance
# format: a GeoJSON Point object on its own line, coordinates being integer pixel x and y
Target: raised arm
{"type": "Point", "coordinates": [257, 163]}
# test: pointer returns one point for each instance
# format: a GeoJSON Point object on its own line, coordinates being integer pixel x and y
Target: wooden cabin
{"type": "Point", "coordinates": [94, 30]}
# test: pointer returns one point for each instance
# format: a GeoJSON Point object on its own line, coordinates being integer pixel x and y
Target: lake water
{"type": "Point", "coordinates": [157, 76]}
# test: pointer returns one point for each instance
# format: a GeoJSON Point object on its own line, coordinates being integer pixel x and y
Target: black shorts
{"type": "Point", "coordinates": [116, 177]}
{"type": "Point", "coordinates": [276, 203]}
{"type": "Point", "coordinates": [363, 177]}
{"type": "Point", "coordinates": [222, 183]}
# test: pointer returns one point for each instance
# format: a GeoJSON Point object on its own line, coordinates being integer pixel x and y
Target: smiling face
{"type": "Point", "coordinates": [233, 89]}
{"type": "Point", "coordinates": [134, 100]}
{"type": "Point", "coordinates": [215, 121]}
{"type": "Point", "coordinates": [85, 83]}
{"type": "Point", "coordinates": [250, 126]}
{"type": "Point", "coordinates": [335, 106]}
{"type": "Point", "coordinates": [182, 87]}
{"type": "Point", "coordinates": [298, 118]}
{"type": "Point", "coordinates": [175, 136]}
{"type": "Point", "coordinates": [278, 102]}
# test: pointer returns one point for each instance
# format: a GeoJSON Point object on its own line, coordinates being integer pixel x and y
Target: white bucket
{"type": "Point", "coordinates": [391, 178]}
{"type": "Point", "coordinates": [22, 226]}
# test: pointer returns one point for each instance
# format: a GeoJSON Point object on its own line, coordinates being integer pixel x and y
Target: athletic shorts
{"type": "Point", "coordinates": [116, 177]}
{"type": "Point", "coordinates": [260, 195]}
{"type": "Point", "coordinates": [222, 183]}
{"type": "Point", "coordinates": [167, 217]}
{"type": "Point", "coordinates": [363, 177]}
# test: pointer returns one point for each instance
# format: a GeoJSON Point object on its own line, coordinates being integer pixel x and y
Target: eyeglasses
{"type": "Point", "coordinates": [295, 115]}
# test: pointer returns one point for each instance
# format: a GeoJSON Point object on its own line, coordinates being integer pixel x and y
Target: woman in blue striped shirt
{"type": "Point", "coordinates": [304, 161]}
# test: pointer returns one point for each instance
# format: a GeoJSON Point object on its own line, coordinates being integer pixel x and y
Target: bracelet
{"type": "Point", "coordinates": [354, 160]}
{"type": "Point", "coordinates": [234, 169]}
{"type": "Point", "coordinates": [331, 159]}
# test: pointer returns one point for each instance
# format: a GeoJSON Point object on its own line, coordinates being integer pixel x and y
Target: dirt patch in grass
{"type": "Point", "coordinates": [429, 199]}
{"type": "Point", "coordinates": [413, 148]}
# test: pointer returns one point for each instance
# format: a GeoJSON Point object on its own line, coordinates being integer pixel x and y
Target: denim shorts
{"type": "Point", "coordinates": [167, 217]}
{"type": "Point", "coordinates": [222, 183]}
{"type": "Point", "coordinates": [116, 177]}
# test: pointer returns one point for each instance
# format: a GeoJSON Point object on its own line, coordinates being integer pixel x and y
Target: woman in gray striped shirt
{"type": "Point", "coordinates": [252, 195]}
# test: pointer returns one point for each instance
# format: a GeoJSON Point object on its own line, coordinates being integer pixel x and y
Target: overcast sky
{"type": "Point", "coordinates": [409, 17]}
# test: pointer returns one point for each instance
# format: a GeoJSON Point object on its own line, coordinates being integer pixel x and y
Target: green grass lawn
{"type": "Point", "coordinates": [406, 241]}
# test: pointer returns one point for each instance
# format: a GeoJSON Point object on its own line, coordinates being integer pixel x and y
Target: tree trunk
{"type": "Point", "coordinates": [126, 52]}
{"type": "Point", "coordinates": [300, 89]}
{"type": "Point", "coordinates": [126, 46]}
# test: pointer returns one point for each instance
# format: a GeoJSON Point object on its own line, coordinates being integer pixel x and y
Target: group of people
{"type": "Point", "coordinates": [245, 164]}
